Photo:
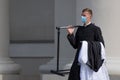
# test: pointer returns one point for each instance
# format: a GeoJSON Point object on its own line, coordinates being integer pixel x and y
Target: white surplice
{"type": "Point", "coordinates": [85, 72]}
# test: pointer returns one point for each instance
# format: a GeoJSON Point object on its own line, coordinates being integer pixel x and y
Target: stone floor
{"type": "Point", "coordinates": [56, 77]}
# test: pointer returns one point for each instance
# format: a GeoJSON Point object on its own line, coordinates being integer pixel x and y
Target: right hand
{"type": "Point", "coordinates": [70, 29]}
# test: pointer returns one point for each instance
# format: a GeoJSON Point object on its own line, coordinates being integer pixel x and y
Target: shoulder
{"type": "Point", "coordinates": [97, 28]}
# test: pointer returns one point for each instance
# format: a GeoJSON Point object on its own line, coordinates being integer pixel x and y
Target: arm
{"type": "Point", "coordinates": [98, 36]}
{"type": "Point", "coordinates": [73, 40]}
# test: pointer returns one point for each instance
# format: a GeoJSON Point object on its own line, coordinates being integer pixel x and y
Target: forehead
{"type": "Point", "coordinates": [85, 13]}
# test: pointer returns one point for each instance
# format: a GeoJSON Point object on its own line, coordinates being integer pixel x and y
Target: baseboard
{"type": "Point", "coordinates": [113, 65]}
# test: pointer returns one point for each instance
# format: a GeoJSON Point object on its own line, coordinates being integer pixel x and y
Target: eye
{"type": "Point", "coordinates": [84, 15]}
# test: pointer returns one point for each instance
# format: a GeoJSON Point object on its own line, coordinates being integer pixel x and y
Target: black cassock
{"type": "Point", "coordinates": [88, 33]}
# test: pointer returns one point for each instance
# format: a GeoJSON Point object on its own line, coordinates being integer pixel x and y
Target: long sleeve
{"type": "Point", "coordinates": [73, 40]}
{"type": "Point", "coordinates": [98, 36]}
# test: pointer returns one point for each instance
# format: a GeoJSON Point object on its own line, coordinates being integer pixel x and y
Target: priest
{"type": "Point", "coordinates": [87, 32]}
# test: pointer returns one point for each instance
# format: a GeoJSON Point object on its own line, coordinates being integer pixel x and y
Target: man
{"type": "Point", "coordinates": [87, 32]}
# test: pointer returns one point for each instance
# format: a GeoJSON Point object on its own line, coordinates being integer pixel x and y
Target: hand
{"type": "Point", "coordinates": [70, 29]}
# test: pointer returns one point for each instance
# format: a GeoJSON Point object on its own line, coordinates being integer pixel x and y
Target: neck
{"type": "Point", "coordinates": [87, 23]}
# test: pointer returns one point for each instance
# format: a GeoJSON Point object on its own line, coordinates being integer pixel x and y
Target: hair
{"type": "Point", "coordinates": [88, 10]}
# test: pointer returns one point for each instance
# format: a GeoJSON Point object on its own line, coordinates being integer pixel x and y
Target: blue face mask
{"type": "Point", "coordinates": [83, 19]}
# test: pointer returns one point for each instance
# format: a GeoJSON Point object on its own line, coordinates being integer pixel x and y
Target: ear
{"type": "Point", "coordinates": [90, 16]}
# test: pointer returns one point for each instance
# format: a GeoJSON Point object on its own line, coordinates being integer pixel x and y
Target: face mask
{"type": "Point", "coordinates": [83, 19]}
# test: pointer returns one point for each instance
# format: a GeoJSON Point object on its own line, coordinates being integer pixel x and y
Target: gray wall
{"type": "Point", "coordinates": [32, 20]}
{"type": "Point", "coordinates": [64, 14]}
{"type": "Point", "coordinates": [33, 55]}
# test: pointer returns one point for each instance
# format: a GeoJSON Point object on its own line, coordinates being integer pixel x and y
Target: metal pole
{"type": "Point", "coordinates": [58, 71]}
{"type": "Point", "coordinates": [58, 47]}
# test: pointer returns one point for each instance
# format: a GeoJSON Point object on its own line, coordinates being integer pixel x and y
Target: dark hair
{"type": "Point", "coordinates": [88, 10]}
